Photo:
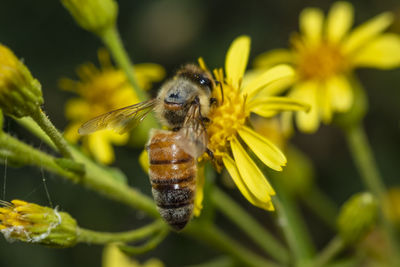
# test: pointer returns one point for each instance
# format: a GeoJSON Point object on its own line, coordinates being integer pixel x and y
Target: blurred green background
{"type": "Point", "coordinates": [170, 33]}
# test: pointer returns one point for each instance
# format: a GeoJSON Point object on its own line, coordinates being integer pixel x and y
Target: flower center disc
{"type": "Point", "coordinates": [226, 119]}
{"type": "Point", "coordinates": [320, 62]}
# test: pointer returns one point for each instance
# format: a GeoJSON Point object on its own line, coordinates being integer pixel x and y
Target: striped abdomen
{"type": "Point", "coordinates": [173, 178]}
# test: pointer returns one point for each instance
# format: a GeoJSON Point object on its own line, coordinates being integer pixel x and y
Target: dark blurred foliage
{"type": "Point", "coordinates": [172, 32]}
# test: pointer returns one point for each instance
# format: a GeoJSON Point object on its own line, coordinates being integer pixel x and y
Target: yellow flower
{"type": "Point", "coordinates": [324, 55]}
{"type": "Point", "coordinates": [100, 91]}
{"type": "Point", "coordinates": [114, 257]}
{"type": "Point", "coordinates": [28, 222]}
{"type": "Point", "coordinates": [228, 131]}
{"type": "Point", "coordinates": [20, 93]}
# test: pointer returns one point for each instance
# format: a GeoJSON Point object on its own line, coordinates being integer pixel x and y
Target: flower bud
{"type": "Point", "coordinates": [357, 217]}
{"type": "Point", "coordinates": [20, 93]}
{"type": "Point", "coordinates": [28, 222]}
{"type": "Point", "coordinates": [93, 15]}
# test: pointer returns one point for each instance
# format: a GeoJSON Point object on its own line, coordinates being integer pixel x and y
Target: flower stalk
{"type": "Point", "coordinates": [364, 159]}
{"type": "Point", "coordinates": [293, 227]}
{"type": "Point", "coordinates": [210, 234]}
{"type": "Point", "coordinates": [43, 121]}
{"type": "Point", "coordinates": [113, 41]}
{"type": "Point", "coordinates": [95, 237]}
{"type": "Point", "coordinates": [334, 247]}
{"type": "Point", "coordinates": [251, 227]}
{"type": "Point", "coordinates": [149, 245]}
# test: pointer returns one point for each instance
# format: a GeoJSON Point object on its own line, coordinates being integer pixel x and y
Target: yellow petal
{"type": "Point", "coordinates": [264, 149]}
{"type": "Point", "coordinates": [265, 106]}
{"type": "Point", "coordinates": [311, 23]}
{"type": "Point", "coordinates": [234, 172]}
{"type": "Point", "coordinates": [71, 132]}
{"type": "Point", "coordinates": [277, 87]}
{"type": "Point", "coordinates": [236, 60]}
{"type": "Point", "coordinates": [277, 73]}
{"type": "Point", "coordinates": [366, 32]}
{"type": "Point", "coordinates": [76, 109]}
{"type": "Point", "coordinates": [148, 73]}
{"type": "Point", "coordinates": [198, 202]}
{"type": "Point", "coordinates": [307, 93]}
{"type": "Point", "coordinates": [339, 21]}
{"type": "Point", "coordinates": [144, 160]}
{"type": "Point", "coordinates": [114, 257]}
{"type": "Point", "coordinates": [273, 57]}
{"type": "Point", "coordinates": [382, 52]}
{"type": "Point", "coordinates": [341, 93]}
{"type": "Point", "coordinates": [324, 103]}
{"type": "Point", "coordinates": [100, 147]}
{"type": "Point", "coordinates": [251, 174]}
{"type": "Point", "coordinates": [116, 138]}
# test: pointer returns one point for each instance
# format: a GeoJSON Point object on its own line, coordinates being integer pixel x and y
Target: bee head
{"type": "Point", "coordinates": [197, 75]}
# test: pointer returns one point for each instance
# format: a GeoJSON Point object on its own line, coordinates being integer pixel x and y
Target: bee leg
{"type": "Point", "coordinates": [213, 101]}
{"type": "Point", "coordinates": [205, 119]}
{"type": "Point", "coordinates": [210, 153]}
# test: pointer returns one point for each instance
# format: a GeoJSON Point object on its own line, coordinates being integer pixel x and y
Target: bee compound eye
{"type": "Point", "coordinates": [205, 81]}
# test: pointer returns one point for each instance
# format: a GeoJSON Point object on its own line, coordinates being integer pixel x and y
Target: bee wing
{"type": "Point", "coordinates": [121, 120]}
{"type": "Point", "coordinates": [193, 133]}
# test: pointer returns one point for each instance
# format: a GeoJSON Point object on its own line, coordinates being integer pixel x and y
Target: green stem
{"type": "Point", "coordinates": [43, 121]}
{"type": "Point", "coordinates": [148, 246]}
{"type": "Point", "coordinates": [112, 40]}
{"type": "Point", "coordinates": [364, 159]}
{"type": "Point", "coordinates": [100, 180]}
{"type": "Point", "coordinates": [321, 205]}
{"type": "Point", "coordinates": [22, 153]}
{"type": "Point", "coordinates": [250, 226]}
{"type": "Point", "coordinates": [95, 178]}
{"type": "Point", "coordinates": [212, 235]}
{"type": "Point", "coordinates": [29, 124]}
{"type": "Point", "coordinates": [94, 237]}
{"type": "Point", "coordinates": [293, 227]}
{"type": "Point", "coordinates": [334, 247]}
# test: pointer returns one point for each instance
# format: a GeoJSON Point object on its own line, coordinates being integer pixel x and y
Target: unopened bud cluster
{"type": "Point", "coordinates": [20, 93]}
{"type": "Point", "coordinates": [28, 222]}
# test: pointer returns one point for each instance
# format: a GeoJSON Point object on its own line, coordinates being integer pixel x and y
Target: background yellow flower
{"type": "Point", "coordinates": [325, 53]}
{"type": "Point", "coordinates": [102, 90]}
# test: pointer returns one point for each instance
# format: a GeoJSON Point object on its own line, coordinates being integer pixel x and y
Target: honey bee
{"type": "Point", "coordinates": [182, 105]}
